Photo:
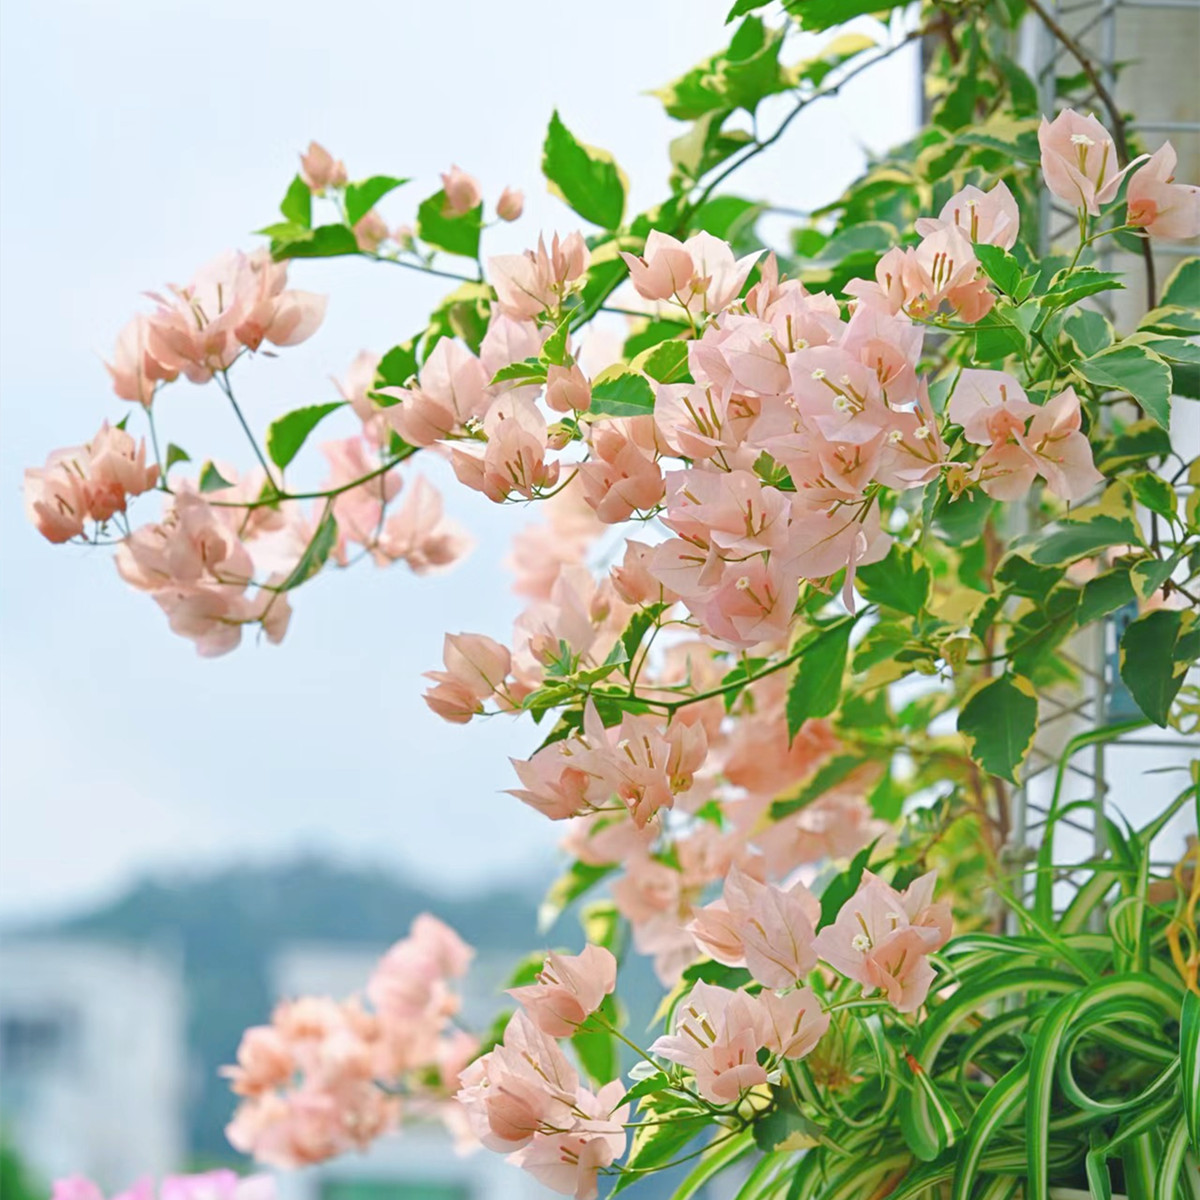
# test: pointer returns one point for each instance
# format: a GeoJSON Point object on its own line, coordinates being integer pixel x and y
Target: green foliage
{"type": "Point", "coordinates": [288, 433]}
{"type": "Point", "coordinates": [319, 548]}
{"type": "Point", "coordinates": [1156, 652]}
{"type": "Point", "coordinates": [587, 179]}
{"type": "Point", "coordinates": [296, 205]}
{"type": "Point", "coordinates": [1136, 370]}
{"type": "Point", "coordinates": [816, 683]}
{"type": "Point", "coordinates": [363, 196]}
{"type": "Point", "coordinates": [211, 480]}
{"type": "Point", "coordinates": [325, 241]}
{"type": "Point", "coordinates": [456, 233]}
{"type": "Point", "coordinates": [999, 719]}
{"type": "Point", "coordinates": [624, 394]}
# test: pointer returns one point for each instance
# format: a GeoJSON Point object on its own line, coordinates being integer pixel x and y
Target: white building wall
{"type": "Point", "coordinates": [92, 1059]}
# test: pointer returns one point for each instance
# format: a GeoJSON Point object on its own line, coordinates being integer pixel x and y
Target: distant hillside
{"type": "Point", "coordinates": [226, 928]}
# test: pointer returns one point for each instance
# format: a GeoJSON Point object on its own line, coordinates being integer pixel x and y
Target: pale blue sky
{"type": "Point", "coordinates": [139, 138]}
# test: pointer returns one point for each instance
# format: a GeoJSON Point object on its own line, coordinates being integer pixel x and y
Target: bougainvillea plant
{"type": "Point", "coordinates": [819, 547]}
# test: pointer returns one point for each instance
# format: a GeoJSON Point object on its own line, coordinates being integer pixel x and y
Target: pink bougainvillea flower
{"type": "Point", "coordinates": [568, 1161]}
{"type": "Point", "coordinates": [1159, 205]}
{"type": "Point", "coordinates": [370, 232]}
{"type": "Point", "coordinates": [536, 281]}
{"type": "Point", "coordinates": [513, 458]}
{"type": "Point", "coordinates": [320, 170]}
{"type": "Point", "coordinates": [882, 939]}
{"type": "Point", "coordinates": [622, 476]}
{"type": "Point", "coordinates": [777, 927]}
{"type": "Point", "coordinates": [567, 389]}
{"type": "Point", "coordinates": [717, 1035]}
{"type": "Point", "coordinates": [568, 990]}
{"type": "Point", "coordinates": [135, 372]}
{"type": "Point", "coordinates": [420, 534]}
{"type": "Point", "coordinates": [701, 273]}
{"type": "Point", "coordinates": [209, 1185]}
{"type": "Point", "coordinates": [989, 405]}
{"type": "Point", "coordinates": [523, 1087]}
{"type": "Point", "coordinates": [989, 217]}
{"type": "Point", "coordinates": [450, 390]}
{"type": "Point", "coordinates": [233, 303]}
{"type": "Point", "coordinates": [511, 204]}
{"type": "Point", "coordinates": [793, 1023]}
{"type": "Point", "coordinates": [55, 501]}
{"type": "Point", "coordinates": [462, 191]}
{"type": "Point", "coordinates": [1079, 160]}
{"type": "Point", "coordinates": [476, 667]}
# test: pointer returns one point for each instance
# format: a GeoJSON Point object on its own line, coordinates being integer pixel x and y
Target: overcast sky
{"type": "Point", "coordinates": [140, 138]}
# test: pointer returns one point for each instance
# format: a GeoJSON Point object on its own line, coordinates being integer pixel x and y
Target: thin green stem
{"type": "Point", "coordinates": [222, 378]}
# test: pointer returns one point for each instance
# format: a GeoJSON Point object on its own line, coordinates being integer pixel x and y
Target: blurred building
{"type": "Point", "coordinates": [420, 1163]}
{"type": "Point", "coordinates": [92, 1059]}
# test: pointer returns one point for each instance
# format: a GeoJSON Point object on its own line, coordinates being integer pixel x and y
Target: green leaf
{"type": "Point", "coordinates": [945, 1120]}
{"type": "Point", "coordinates": [1001, 1102]}
{"type": "Point", "coordinates": [1043, 1062]}
{"type": "Point", "coordinates": [454, 233]}
{"type": "Point", "coordinates": [725, 217]}
{"type": "Point", "coordinates": [623, 395]}
{"type": "Point", "coordinates": [296, 205]}
{"type": "Point", "coordinates": [999, 719]}
{"type": "Point", "coordinates": [657, 1144]}
{"type": "Point", "coordinates": [361, 197]}
{"type": "Point", "coordinates": [286, 435]}
{"type": "Point", "coordinates": [211, 480]}
{"type": "Point", "coordinates": [816, 686]}
{"type": "Point", "coordinates": [639, 624]}
{"type": "Point", "coordinates": [1172, 320]}
{"type": "Point", "coordinates": [647, 1087]}
{"type": "Point", "coordinates": [1001, 268]}
{"type": "Point", "coordinates": [1189, 1057]}
{"type": "Point", "coordinates": [1104, 594]}
{"type": "Point", "coordinates": [1156, 651]}
{"type": "Point", "coordinates": [175, 454]}
{"type": "Point", "coordinates": [667, 362]}
{"type": "Point", "coordinates": [900, 581]}
{"type": "Point", "coordinates": [1069, 287]}
{"type": "Point", "coordinates": [1136, 443]}
{"type": "Point", "coordinates": [586, 178]}
{"type": "Point", "coordinates": [746, 72]}
{"type": "Point", "coordinates": [317, 551]}
{"type": "Point", "coordinates": [841, 887]}
{"type": "Point", "coordinates": [1182, 289]}
{"type": "Point", "coordinates": [1133, 369]}
{"type": "Point", "coordinates": [597, 1051]}
{"type": "Point", "coordinates": [826, 776]}
{"type": "Point", "coordinates": [326, 241]}
{"type": "Point", "coordinates": [529, 370]}
{"type": "Point", "coordinates": [653, 333]}
{"type": "Point", "coordinates": [398, 365]}
{"type": "Point", "coordinates": [572, 884]}
{"type": "Point", "coordinates": [1072, 540]}
{"type": "Point", "coordinates": [824, 14]}
{"type": "Point", "coordinates": [1023, 578]}
{"type": "Point", "coordinates": [1089, 330]}
{"type": "Point", "coordinates": [713, 1161]}
{"type": "Point", "coordinates": [1154, 492]}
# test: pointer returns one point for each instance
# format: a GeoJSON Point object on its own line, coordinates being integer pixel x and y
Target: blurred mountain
{"type": "Point", "coordinates": [226, 928]}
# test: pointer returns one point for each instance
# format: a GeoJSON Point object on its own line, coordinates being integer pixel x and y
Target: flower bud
{"type": "Point", "coordinates": [511, 204]}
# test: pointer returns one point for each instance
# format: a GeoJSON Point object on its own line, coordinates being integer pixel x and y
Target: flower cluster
{"type": "Point", "coordinates": [525, 1098]}
{"type": "Point", "coordinates": [82, 483]}
{"type": "Point", "coordinates": [208, 1185]}
{"type": "Point", "coordinates": [326, 1076]}
{"type": "Point", "coordinates": [233, 304]}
